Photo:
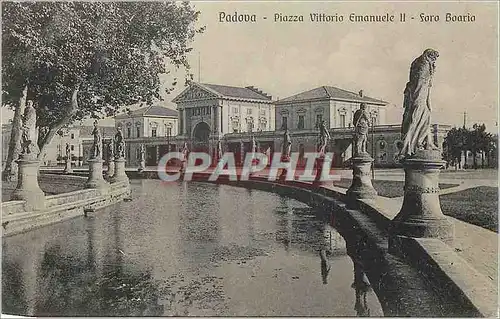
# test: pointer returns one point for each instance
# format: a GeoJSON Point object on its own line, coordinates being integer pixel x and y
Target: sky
{"type": "Point", "coordinates": [283, 59]}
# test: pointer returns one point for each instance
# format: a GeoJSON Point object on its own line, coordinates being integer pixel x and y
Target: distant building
{"type": "Point", "coordinates": [153, 124]}
{"type": "Point", "coordinates": [306, 110]}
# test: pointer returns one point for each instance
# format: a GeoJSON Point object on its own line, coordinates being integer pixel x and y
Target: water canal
{"type": "Point", "coordinates": [186, 249]}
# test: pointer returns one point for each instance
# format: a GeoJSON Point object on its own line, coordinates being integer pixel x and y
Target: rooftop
{"type": "Point", "coordinates": [331, 93]}
{"type": "Point", "coordinates": [149, 111]}
{"type": "Point", "coordinates": [248, 92]}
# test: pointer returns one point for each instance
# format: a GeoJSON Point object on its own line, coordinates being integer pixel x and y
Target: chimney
{"type": "Point", "coordinates": [256, 90]}
{"type": "Point", "coordinates": [361, 93]}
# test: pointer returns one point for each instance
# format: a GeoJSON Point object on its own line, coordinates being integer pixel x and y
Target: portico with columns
{"type": "Point", "coordinates": [207, 112]}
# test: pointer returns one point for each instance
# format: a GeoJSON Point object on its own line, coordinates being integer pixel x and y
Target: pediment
{"type": "Point", "coordinates": [301, 110]}
{"type": "Point", "coordinates": [194, 92]}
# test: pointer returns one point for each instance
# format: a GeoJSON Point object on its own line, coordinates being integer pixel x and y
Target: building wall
{"type": "Point", "coordinates": [144, 126]}
{"type": "Point", "coordinates": [336, 114]}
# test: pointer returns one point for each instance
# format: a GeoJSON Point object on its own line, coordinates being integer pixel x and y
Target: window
{"type": "Point", "coordinates": [138, 130]}
{"type": "Point", "coordinates": [263, 112]}
{"type": "Point", "coordinates": [263, 125]}
{"type": "Point", "coordinates": [72, 147]}
{"type": "Point", "coordinates": [342, 120]}
{"type": "Point", "coordinates": [153, 132]}
{"type": "Point", "coordinates": [235, 110]}
{"type": "Point", "coordinates": [129, 133]}
{"type": "Point", "coordinates": [301, 122]}
{"type": "Point", "coordinates": [72, 136]}
{"type": "Point", "coordinates": [319, 120]}
{"type": "Point", "coordinates": [169, 131]}
{"type": "Point", "coordinates": [284, 121]}
{"type": "Point", "coordinates": [249, 111]}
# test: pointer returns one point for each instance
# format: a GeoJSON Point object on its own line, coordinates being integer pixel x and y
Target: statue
{"type": "Point", "coordinates": [219, 149]}
{"type": "Point", "coordinates": [97, 145]}
{"type": "Point", "coordinates": [324, 137]}
{"type": "Point", "coordinates": [142, 152]}
{"type": "Point", "coordinates": [68, 152]}
{"type": "Point", "coordinates": [29, 146]}
{"type": "Point", "coordinates": [287, 145]}
{"type": "Point", "coordinates": [185, 152]}
{"type": "Point", "coordinates": [415, 129]}
{"type": "Point", "coordinates": [111, 150]}
{"type": "Point", "coordinates": [119, 144]}
{"type": "Point", "coordinates": [361, 125]}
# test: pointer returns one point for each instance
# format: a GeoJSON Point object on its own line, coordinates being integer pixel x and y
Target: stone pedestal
{"type": "Point", "coordinates": [318, 181]}
{"type": "Point", "coordinates": [361, 187]}
{"type": "Point", "coordinates": [111, 169]}
{"type": "Point", "coordinates": [27, 188]}
{"type": "Point", "coordinates": [68, 169]}
{"type": "Point", "coordinates": [421, 215]}
{"type": "Point", "coordinates": [119, 175]}
{"type": "Point", "coordinates": [96, 180]}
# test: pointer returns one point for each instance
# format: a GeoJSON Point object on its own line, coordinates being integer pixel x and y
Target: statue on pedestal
{"type": "Point", "coordinates": [96, 150]}
{"type": "Point", "coordinates": [119, 144]}
{"type": "Point", "coordinates": [324, 137]}
{"type": "Point", "coordinates": [415, 129]}
{"type": "Point", "coordinates": [29, 146]}
{"type": "Point", "coordinates": [361, 125]}
{"type": "Point", "coordinates": [286, 149]}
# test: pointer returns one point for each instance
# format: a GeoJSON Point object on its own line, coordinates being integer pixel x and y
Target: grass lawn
{"type": "Point", "coordinates": [386, 188]}
{"type": "Point", "coordinates": [478, 206]}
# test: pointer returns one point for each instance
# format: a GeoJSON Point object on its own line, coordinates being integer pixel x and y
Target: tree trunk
{"type": "Point", "coordinates": [45, 140]}
{"type": "Point", "coordinates": [10, 171]}
{"type": "Point", "coordinates": [482, 159]}
{"type": "Point", "coordinates": [474, 161]}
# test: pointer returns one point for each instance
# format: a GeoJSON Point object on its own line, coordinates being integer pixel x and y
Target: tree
{"type": "Point", "coordinates": [88, 59]}
{"type": "Point", "coordinates": [455, 142]}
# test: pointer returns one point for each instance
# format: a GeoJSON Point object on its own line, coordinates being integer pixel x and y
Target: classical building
{"type": "Point", "coordinates": [155, 126]}
{"type": "Point", "coordinates": [208, 111]}
{"type": "Point", "coordinates": [303, 111]}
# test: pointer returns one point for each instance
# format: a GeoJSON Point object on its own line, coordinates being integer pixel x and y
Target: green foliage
{"type": "Point", "coordinates": [108, 53]}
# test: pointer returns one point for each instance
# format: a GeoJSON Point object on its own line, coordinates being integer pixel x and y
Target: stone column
{"type": "Point", "coordinates": [184, 126]}
{"type": "Point", "coordinates": [27, 188]}
{"type": "Point", "coordinates": [361, 186]}
{"type": "Point", "coordinates": [120, 175]}
{"type": "Point", "coordinates": [96, 180]}
{"type": "Point", "coordinates": [421, 215]}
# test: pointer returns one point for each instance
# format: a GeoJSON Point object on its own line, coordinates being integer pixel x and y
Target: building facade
{"type": "Point", "coordinates": [209, 111]}
{"type": "Point", "coordinates": [304, 111]}
{"type": "Point", "coordinates": [155, 126]}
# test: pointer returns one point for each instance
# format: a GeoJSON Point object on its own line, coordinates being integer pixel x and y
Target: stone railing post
{"type": "Point", "coordinates": [361, 187]}
{"type": "Point", "coordinates": [421, 215]}
{"type": "Point", "coordinates": [111, 168]}
{"type": "Point", "coordinates": [96, 179]}
{"type": "Point", "coordinates": [120, 174]}
{"type": "Point", "coordinates": [27, 188]}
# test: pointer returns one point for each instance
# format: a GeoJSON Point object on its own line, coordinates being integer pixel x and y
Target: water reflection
{"type": "Point", "coordinates": [175, 250]}
{"type": "Point", "coordinates": [361, 287]}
